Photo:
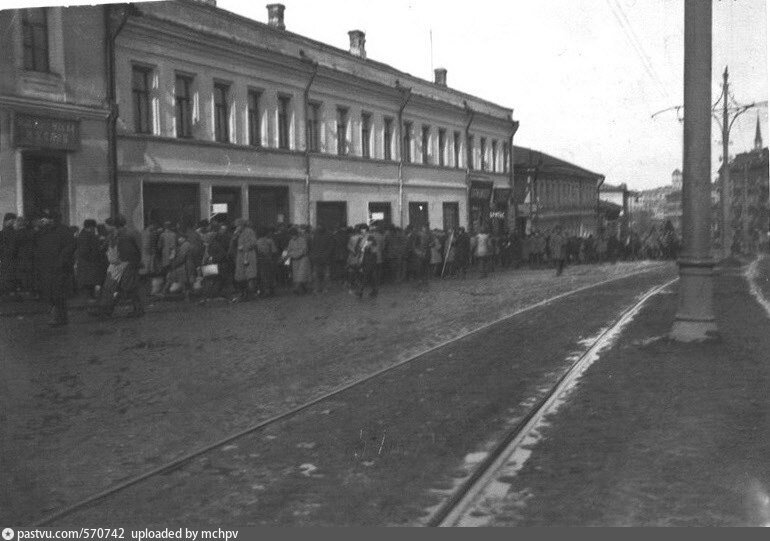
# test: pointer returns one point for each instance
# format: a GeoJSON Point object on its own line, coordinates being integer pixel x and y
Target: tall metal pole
{"type": "Point", "coordinates": [726, 195]}
{"type": "Point", "coordinates": [694, 319]}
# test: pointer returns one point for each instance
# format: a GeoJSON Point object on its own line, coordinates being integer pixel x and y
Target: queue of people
{"type": "Point", "coordinates": [41, 258]}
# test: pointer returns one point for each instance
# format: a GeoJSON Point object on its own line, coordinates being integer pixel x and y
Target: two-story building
{"type": "Point", "coordinates": [221, 113]}
{"type": "Point", "coordinates": [53, 112]}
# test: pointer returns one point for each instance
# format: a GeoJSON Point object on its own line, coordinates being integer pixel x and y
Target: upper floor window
{"type": "Point", "coordinates": [221, 113]}
{"type": "Point", "coordinates": [407, 142]}
{"type": "Point", "coordinates": [34, 24]}
{"type": "Point", "coordinates": [284, 114]}
{"type": "Point", "coordinates": [366, 135]}
{"type": "Point", "coordinates": [494, 156]}
{"type": "Point", "coordinates": [425, 144]}
{"type": "Point", "coordinates": [483, 153]}
{"type": "Point", "coordinates": [183, 103]}
{"type": "Point", "coordinates": [255, 125]}
{"type": "Point", "coordinates": [140, 90]}
{"type": "Point", "coordinates": [314, 127]}
{"type": "Point", "coordinates": [442, 147]}
{"type": "Point", "coordinates": [387, 139]}
{"type": "Point", "coordinates": [342, 131]}
{"type": "Point", "coordinates": [457, 148]}
{"type": "Point", "coordinates": [469, 151]}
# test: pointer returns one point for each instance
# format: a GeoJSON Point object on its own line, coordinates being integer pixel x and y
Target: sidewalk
{"type": "Point", "coordinates": [657, 433]}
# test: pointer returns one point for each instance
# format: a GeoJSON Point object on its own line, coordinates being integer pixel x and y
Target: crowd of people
{"type": "Point", "coordinates": [213, 259]}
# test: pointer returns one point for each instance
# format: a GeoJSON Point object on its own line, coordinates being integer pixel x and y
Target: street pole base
{"type": "Point", "coordinates": [688, 331]}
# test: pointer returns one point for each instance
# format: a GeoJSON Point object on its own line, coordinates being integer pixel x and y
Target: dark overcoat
{"type": "Point", "coordinates": [91, 260]}
{"type": "Point", "coordinates": [54, 261]}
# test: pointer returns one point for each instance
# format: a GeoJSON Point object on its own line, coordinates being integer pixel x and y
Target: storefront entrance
{"type": "Point", "coordinates": [171, 202]}
{"type": "Point", "coordinates": [451, 216]}
{"type": "Point", "coordinates": [268, 205]}
{"type": "Point", "coordinates": [332, 215]}
{"type": "Point", "coordinates": [478, 205]}
{"type": "Point", "coordinates": [418, 215]}
{"type": "Point", "coordinates": [380, 212]}
{"type": "Point", "coordinates": [44, 183]}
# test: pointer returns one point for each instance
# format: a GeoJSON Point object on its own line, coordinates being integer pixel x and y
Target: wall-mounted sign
{"type": "Point", "coordinates": [219, 208]}
{"type": "Point", "coordinates": [480, 191]}
{"type": "Point", "coordinates": [31, 131]}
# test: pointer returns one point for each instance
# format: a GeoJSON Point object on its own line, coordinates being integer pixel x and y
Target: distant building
{"type": "Point", "coordinates": [656, 206]}
{"type": "Point", "coordinates": [550, 191]}
{"type": "Point", "coordinates": [614, 208]}
{"type": "Point", "coordinates": [750, 213]}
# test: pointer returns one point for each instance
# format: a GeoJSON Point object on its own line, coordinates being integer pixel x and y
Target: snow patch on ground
{"type": "Point", "coordinates": [752, 273]}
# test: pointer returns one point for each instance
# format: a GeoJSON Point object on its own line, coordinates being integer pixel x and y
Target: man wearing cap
{"type": "Point", "coordinates": [54, 259]}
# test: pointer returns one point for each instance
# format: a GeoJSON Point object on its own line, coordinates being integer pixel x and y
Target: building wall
{"type": "Point", "coordinates": [73, 92]}
{"type": "Point", "coordinates": [255, 57]}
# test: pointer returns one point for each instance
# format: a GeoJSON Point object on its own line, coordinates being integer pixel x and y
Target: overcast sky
{"type": "Point", "coordinates": [582, 76]}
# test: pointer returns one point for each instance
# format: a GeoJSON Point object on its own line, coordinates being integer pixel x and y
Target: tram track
{"type": "Point", "coordinates": [463, 499]}
{"type": "Point", "coordinates": [182, 460]}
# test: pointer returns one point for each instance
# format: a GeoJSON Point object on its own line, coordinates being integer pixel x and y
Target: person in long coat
{"type": "Point", "coordinates": [54, 261]}
{"type": "Point", "coordinates": [245, 246]}
{"type": "Point", "coordinates": [266, 254]}
{"type": "Point", "coordinates": [25, 256]}
{"type": "Point", "coordinates": [91, 259]}
{"type": "Point", "coordinates": [558, 244]}
{"type": "Point", "coordinates": [297, 250]}
{"type": "Point", "coordinates": [8, 260]}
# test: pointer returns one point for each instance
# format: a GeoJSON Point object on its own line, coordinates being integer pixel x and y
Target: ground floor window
{"type": "Point", "coordinates": [178, 203]}
{"type": "Point", "coordinates": [380, 212]}
{"type": "Point", "coordinates": [418, 214]}
{"type": "Point", "coordinates": [451, 216]}
{"type": "Point", "coordinates": [268, 205]}
{"type": "Point", "coordinates": [44, 183]}
{"type": "Point", "coordinates": [331, 215]}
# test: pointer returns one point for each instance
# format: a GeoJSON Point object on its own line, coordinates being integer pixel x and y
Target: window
{"type": "Point", "coordinates": [457, 148]}
{"type": "Point", "coordinates": [314, 127]}
{"type": "Point", "coordinates": [483, 153]}
{"type": "Point", "coordinates": [255, 126]}
{"type": "Point", "coordinates": [425, 144]}
{"type": "Point", "coordinates": [284, 104]}
{"type": "Point", "coordinates": [140, 89]}
{"type": "Point", "coordinates": [221, 113]}
{"type": "Point", "coordinates": [342, 131]}
{"type": "Point", "coordinates": [469, 152]}
{"type": "Point", "coordinates": [441, 147]}
{"type": "Point", "coordinates": [506, 158]}
{"type": "Point", "coordinates": [494, 156]}
{"type": "Point", "coordinates": [407, 137]}
{"type": "Point", "coordinates": [183, 106]}
{"type": "Point", "coordinates": [34, 25]}
{"type": "Point", "coordinates": [366, 135]}
{"type": "Point", "coordinates": [387, 139]}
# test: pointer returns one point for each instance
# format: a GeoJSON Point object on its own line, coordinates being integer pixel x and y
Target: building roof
{"type": "Point", "coordinates": [526, 157]}
{"type": "Point", "coordinates": [752, 159]}
{"type": "Point", "coordinates": [228, 25]}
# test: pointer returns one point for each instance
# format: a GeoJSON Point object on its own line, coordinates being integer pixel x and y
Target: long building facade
{"type": "Point", "coordinates": [223, 114]}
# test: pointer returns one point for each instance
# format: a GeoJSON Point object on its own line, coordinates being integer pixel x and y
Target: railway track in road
{"type": "Point", "coordinates": [469, 493]}
{"type": "Point", "coordinates": [454, 503]}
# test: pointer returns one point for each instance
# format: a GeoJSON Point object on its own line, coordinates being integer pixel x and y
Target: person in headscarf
{"type": "Point", "coordinates": [297, 251]}
{"type": "Point", "coordinates": [244, 243]}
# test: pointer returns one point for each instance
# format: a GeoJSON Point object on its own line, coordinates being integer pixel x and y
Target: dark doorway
{"type": "Point", "coordinates": [380, 212]}
{"type": "Point", "coordinates": [418, 215]}
{"type": "Point", "coordinates": [332, 214]}
{"type": "Point", "coordinates": [268, 206]}
{"type": "Point", "coordinates": [451, 216]}
{"type": "Point", "coordinates": [171, 202]}
{"type": "Point", "coordinates": [226, 195]}
{"type": "Point", "coordinates": [44, 183]}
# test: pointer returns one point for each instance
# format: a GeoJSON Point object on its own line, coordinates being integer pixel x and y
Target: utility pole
{"type": "Point", "coordinates": [725, 198]}
{"type": "Point", "coordinates": [694, 320]}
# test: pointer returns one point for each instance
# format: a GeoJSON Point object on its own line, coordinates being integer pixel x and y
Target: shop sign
{"type": "Point", "coordinates": [480, 191]}
{"type": "Point", "coordinates": [499, 214]}
{"type": "Point", "coordinates": [45, 132]}
{"type": "Point", "coordinates": [502, 195]}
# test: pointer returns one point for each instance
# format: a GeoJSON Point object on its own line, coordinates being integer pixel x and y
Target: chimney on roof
{"type": "Point", "coordinates": [357, 43]}
{"type": "Point", "coordinates": [275, 16]}
{"type": "Point", "coordinates": [440, 74]}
